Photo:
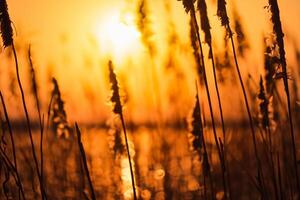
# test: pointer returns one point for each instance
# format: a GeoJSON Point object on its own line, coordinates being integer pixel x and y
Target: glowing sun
{"type": "Point", "coordinates": [118, 35]}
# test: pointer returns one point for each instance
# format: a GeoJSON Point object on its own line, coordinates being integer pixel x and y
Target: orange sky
{"type": "Point", "coordinates": [70, 35]}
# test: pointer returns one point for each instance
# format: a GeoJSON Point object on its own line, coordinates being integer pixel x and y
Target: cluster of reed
{"type": "Point", "coordinates": [272, 177]}
{"type": "Point", "coordinates": [278, 70]}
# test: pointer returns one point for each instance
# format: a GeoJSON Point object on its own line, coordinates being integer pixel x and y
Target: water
{"type": "Point", "coordinates": [165, 166]}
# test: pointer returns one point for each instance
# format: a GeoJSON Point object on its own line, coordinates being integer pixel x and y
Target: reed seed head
{"type": "Point", "coordinates": [241, 36]}
{"type": "Point", "coordinates": [264, 104]}
{"type": "Point", "coordinates": [188, 5]}
{"type": "Point", "coordinates": [196, 127]}
{"type": "Point", "coordinates": [115, 98]}
{"type": "Point", "coordinates": [205, 26]}
{"type": "Point", "coordinates": [222, 13]}
{"type": "Point", "coordinates": [58, 113]}
{"type": "Point", "coordinates": [277, 29]}
{"type": "Point", "coordinates": [195, 46]}
{"type": "Point", "coordinates": [144, 26]}
{"type": "Point", "coordinates": [271, 62]}
{"type": "Point", "coordinates": [5, 25]}
{"type": "Point", "coordinates": [34, 86]}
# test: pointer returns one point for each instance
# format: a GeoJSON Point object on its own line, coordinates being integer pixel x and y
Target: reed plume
{"type": "Point", "coordinates": [188, 5]}
{"type": "Point", "coordinates": [263, 105]}
{"type": "Point", "coordinates": [198, 143]}
{"type": "Point", "coordinates": [143, 24]}
{"type": "Point", "coordinates": [5, 25]}
{"type": "Point", "coordinates": [265, 122]}
{"type": "Point", "coordinates": [222, 14]}
{"type": "Point", "coordinates": [118, 147]}
{"type": "Point", "coordinates": [277, 29]}
{"type": "Point", "coordinates": [271, 67]}
{"type": "Point", "coordinates": [205, 25]}
{"type": "Point", "coordinates": [7, 38]}
{"type": "Point", "coordinates": [196, 53]}
{"type": "Point", "coordinates": [242, 41]}
{"type": "Point", "coordinates": [117, 109]}
{"type": "Point", "coordinates": [271, 63]}
{"type": "Point", "coordinates": [58, 115]}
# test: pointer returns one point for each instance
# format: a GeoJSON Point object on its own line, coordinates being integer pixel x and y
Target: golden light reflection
{"type": "Point", "coordinates": [126, 178]}
{"type": "Point", "coordinates": [118, 35]}
{"type": "Point", "coordinates": [125, 171]}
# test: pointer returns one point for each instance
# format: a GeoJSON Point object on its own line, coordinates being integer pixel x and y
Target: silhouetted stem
{"type": "Point", "coordinates": [28, 124]}
{"type": "Point", "coordinates": [272, 163]}
{"type": "Point", "coordinates": [279, 177]}
{"type": "Point", "coordinates": [209, 101]}
{"type": "Point", "coordinates": [41, 121]}
{"type": "Point", "coordinates": [221, 116]}
{"type": "Point", "coordinates": [129, 159]}
{"type": "Point", "coordinates": [205, 152]}
{"type": "Point", "coordinates": [49, 112]}
{"type": "Point", "coordinates": [13, 145]}
{"type": "Point", "coordinates": [277, 29]}
{"type": "Point", "coordinates": [245, 97]}
{"type": "Point", "coordinates": [82, 153]}
{"type": "Point", "coordinates": [9, 165]}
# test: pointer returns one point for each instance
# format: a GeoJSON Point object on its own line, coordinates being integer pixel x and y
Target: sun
{"type": "Point", "coordinates": [118, 35]}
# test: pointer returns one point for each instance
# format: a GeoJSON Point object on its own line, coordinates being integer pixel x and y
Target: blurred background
{"type": "Point", "coordinates": [72, 40]}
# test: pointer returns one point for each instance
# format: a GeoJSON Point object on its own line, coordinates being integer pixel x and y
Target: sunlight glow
{"type": "Point", "coordinates": [119, 35]}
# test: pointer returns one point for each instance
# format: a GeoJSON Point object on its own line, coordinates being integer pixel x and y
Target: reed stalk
{"type": "Point", "coordinates": [7, 38]}
{"type": "Point", "coordinates": [199, 144]}
{"type": "Point", "coordinates": [43, 193]}
{"type": "Point", "coordinates": [118, 110]}
{"type": "Point", "coordinates": [277, 29]}
{"type": "Point", "coordinates": [205, 26]}
{"type": "Point", "coordinates": [41, 119]}
{"type": "Point", "coordinates": [222, 14]}
{"type": "Point", "coordinates": [13, 146]}
{"type": "Point", "coordinates": [279, 177]}
{"type": "Point", "coordinates": [84, 162]}
{"type": "Point", "coordinates": [10, 169]}
{"type": "Point", "coordinates": [189, 7]}
{"type": "Point", "coordinates": [265, 121]}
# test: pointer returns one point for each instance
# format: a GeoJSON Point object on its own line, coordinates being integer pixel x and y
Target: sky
{"type": "Point", "coordinates": [73, 39]}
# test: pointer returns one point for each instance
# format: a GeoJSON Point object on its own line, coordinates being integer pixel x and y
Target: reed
{"type": "Point", "coordinates": [8, 169]}
{"type": "Point", "coordinates": [34, 88]}
{"type": "Point", "coordinates": [57, 113]}
{"type": "Point", "coordinates": [199, 144]}
{"type": "Point", "coordinates": [205, 26]}
{"type": "Point", "coordinates": [13, 146]}
{"type": "Point", "coordinates": [279, 177]}
{"type": "Point", "coordinates": [84, 162]}
{"type": "Point", "coordinates": [277, 29]}
{"type": "Point", "coordinates": [242, 41]}
{"type": "Point", "coordinates": [265, 121]}
{"type": "Point", "coordinates": [223, 16]}
{"type": "Point", "coordinates": [118, 110]}
{"type": "Point", "coordinates": [190, 9]}
{"type": "Point", "coordinates": [7, 38]}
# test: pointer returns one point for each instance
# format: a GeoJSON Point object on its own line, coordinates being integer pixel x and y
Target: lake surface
{"type": "Point", "coordinates": [165, 166]}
